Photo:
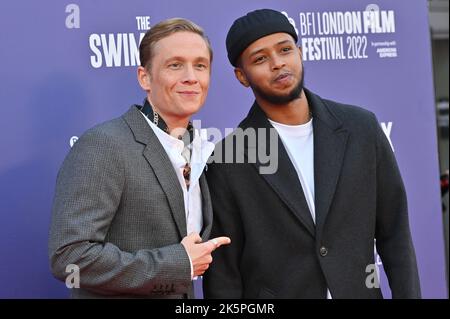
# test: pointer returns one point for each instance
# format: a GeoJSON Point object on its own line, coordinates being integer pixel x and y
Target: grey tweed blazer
{"type": "Point", "coordinates": [118, 214]}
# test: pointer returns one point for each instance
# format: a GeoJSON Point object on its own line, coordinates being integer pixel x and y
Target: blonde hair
{"type": "Point", "coordinates": [162, 30]}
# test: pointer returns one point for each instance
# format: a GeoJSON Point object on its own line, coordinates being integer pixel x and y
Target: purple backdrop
{"type": "Point", "coordinates": [59, 77]}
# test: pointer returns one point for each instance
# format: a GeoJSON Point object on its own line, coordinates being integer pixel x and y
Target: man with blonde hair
{"type": "Point", "coordinates": [132, 210]}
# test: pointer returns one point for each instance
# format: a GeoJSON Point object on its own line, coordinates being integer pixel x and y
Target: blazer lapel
{"type": "Point", "coordinates": [156, 156]}
{"type": "Point", "coordinates": [207, 209]}
{"type": "Point", "coordinates": [284, 181]}
{"type": "Point", "coordinates": [330, 140]}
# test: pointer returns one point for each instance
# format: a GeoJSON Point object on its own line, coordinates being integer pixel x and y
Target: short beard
{"type": "Point", "coordinates": [280, 99]}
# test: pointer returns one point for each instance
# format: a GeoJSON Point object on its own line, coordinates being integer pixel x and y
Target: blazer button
{"type": "Point", "coordinates": [323, 251]}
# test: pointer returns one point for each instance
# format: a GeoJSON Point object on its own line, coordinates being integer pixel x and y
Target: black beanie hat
{"type": "Point", "coordinates": [253, 26]}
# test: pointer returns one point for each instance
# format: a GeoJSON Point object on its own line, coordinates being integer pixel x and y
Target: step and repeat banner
{"type": "Point", "coordinates": [68, 65]}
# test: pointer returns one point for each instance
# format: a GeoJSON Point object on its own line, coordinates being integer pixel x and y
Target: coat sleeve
{"type": "Point", "coordinates": [223, 278]}
{"type": "Point", "coordinates": [88, 193]}
{"type": "Point", "coordinates": [393, 237]}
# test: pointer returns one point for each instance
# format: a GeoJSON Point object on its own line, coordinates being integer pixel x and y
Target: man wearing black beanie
{"type": "Point", "coordinates": [307, 230]}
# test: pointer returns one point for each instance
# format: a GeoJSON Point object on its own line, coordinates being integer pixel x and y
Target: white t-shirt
{"type": "Point", "coordinates": [298, 140]}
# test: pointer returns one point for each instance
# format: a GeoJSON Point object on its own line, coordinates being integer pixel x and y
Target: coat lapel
{"type": "Point", "coordinates": [156, 156]}
{"type": "Point", "coordinates": [330, 140]}
{"type": "Point", "coordinates": [207, 209]}
{"type": "Point", "coordinates": [284, 181]}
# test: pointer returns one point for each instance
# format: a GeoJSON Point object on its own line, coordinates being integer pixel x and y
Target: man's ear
{"type": "Point", "coordinates": [240, 75]}
{"type": "Point", "coordinates": [143, 78]}
{"type": "Point", "coordinates": [301, 52]}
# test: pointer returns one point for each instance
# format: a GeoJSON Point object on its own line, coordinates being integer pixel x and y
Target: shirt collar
{"type": "Point", "coordinates": [156, 119]}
